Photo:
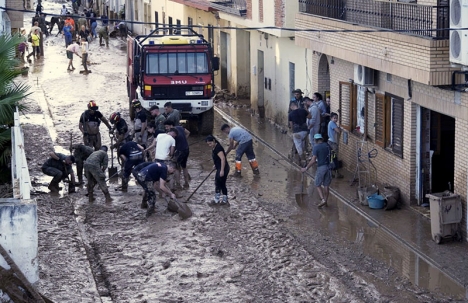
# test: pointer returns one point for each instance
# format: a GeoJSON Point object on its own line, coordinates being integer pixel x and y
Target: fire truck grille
{"type": "Point", "coordinates": [176, 92]}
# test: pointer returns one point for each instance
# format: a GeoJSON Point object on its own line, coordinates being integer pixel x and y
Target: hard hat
{"type": "Point", "coordinates": [136, 103]}
{"type": "Point", "coordinates": [114, 117]}
{"type": "Point", "coordinates": [93, 105]}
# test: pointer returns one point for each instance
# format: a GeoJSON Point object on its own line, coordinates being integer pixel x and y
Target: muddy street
{"type": "Point", "coordinates": [266, 247]}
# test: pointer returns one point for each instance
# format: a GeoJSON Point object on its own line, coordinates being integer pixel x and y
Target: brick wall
{"type": "Point", "coordinates": [423, 60]}
{"type": "Point", "coordinates": [248, 4]}
{"type": "Point", "coordinates": [279, 13]}
{"type": "Point", "coordinates": [392, 169]}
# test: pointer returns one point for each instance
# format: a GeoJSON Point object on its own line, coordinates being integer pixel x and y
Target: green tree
{"type": "Point", "coordinates": [11, 94]}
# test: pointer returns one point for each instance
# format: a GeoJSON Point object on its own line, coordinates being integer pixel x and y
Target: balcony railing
{"type": "Point", "coordinates": [240, 6]}
{"type": "Point", "coordinates": [414, 19]}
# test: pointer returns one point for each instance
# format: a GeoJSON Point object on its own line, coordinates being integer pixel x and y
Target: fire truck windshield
{"type": "Point", "coordinates": [176, 63]}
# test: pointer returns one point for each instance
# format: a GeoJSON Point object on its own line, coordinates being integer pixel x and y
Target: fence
{"type": "Point", "coordinates": [19, 166]}
{"type": "Point", "coordinates": [415, 19]}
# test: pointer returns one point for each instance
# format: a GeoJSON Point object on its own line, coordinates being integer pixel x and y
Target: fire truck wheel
{"type": "Point", "coordinates": [206, 122]}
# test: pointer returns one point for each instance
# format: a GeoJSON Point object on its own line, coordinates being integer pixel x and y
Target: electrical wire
{"type": "Point", "coordinates": [167, 26]}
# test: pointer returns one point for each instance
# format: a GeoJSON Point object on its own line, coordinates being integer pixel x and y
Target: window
{"type": "Point", "coordinates": [156, 19]}
{"type": "Point", "coordinates": [190, 22]}
{"type": "Point", "coordinates": [170, 25]}
{"type": "Point", "coordinates": [389, 116]}
{"type": "Point", "coordinates": [353, 108]}
{"type": "Point", "coordinates": [177, 63]}
{"type": "Point", "coordinates": [210, 34]}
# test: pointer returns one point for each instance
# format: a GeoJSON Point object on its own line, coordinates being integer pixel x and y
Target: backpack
{"type": "Point", "coordinates": [332, 159]}
{"type": "Point", "coordinates": [29, 38]}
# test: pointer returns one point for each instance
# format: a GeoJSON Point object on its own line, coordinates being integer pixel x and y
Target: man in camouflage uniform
{"type": "Point", "coordinates": [81, 152]}
{"type": "Point", "coordinates": [59, 166]}
{"type": "Point", "coordinates": [95, 166]}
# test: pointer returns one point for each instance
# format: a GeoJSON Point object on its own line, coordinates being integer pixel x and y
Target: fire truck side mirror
{"type": "Point", "coordinates": [215, 63]}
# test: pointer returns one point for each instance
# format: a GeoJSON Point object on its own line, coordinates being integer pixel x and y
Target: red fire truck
{"type": "Point", "coordinates": [176, 65]}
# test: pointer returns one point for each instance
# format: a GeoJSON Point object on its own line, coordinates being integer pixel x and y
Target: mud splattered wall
{"type": "Point", "coordinates": [18, 235]}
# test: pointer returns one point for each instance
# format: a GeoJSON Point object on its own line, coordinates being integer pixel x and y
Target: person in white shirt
{"type": "Point", "coordinates": [73, 48]}
{"type": "Point", "coordinates": [63, 11]}
{"type": "Point", "coordinates": [165, 146]}
{"type": "Point", "coordinates": [84, 54]}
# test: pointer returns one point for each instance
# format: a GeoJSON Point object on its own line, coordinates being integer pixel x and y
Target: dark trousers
{"type": "Point", "coordinates": [247, 149]}
{"type": "Point", "coordinates": [57, 174]}
{"type": "Point", "coordinates": [220, 182]}
{"type": "Point", "coordinates": [129, 165]}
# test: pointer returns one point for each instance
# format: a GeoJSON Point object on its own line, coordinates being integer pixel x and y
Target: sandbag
{"type": "Point", "coordinates": [392, 194]}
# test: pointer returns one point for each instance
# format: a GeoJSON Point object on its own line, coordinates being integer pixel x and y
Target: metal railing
{"type": "Point", "coordinates": [414, 19]}
{"type": "Point", "coordinates": [237, 4]}
{"type": "Point", "coordinates": [19, 166]}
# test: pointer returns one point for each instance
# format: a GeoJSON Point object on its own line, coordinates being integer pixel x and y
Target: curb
{"type": "Point", "coordinates": [341, 198]}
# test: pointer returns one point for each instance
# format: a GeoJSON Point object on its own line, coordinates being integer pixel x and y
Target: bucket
{"type": "Point", "coordinates": [376, 201]}
{"type": "Point", "coordinates": [392, 194]}
{"type": "Point", "coordinates": [364, 192]}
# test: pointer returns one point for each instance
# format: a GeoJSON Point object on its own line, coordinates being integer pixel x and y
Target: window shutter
{"type": "Point", "coordinates": [380, 119]}
{"type": "Point", "coordinates": [397, 127]}
{"type": "Point", "coordinates": [346, 105]}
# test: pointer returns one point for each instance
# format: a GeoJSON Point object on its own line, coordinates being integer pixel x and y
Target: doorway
{"type": "Point", "coordinates": [324, 77]}
{"type": "Point", "coordinates": [437, 153]}
{"type": "Point", "coordinates": [260, 81]}
{"type": "Point", "coordinates": [225, 61]}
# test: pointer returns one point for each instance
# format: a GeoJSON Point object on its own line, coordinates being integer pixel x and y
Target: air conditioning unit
{"type": "Point", "coordinates": [459, 38]}
{"type": "Point", "coordinates": [363, 75]}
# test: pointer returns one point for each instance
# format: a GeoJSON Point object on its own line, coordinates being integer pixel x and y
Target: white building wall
{"type": "Point", "coordinates": [278, 52]}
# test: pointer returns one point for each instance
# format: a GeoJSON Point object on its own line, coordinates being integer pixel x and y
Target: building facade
{"type": "Point", "coordinates": [394, 88]}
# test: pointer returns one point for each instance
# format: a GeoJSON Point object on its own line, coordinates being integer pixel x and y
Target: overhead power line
{"type": "Point", "coordinates": [260, 28]}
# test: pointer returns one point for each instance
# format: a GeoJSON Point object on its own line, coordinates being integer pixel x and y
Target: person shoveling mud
{"type": "Point", "coordinates": [155, 173]}
{"type": "Point", "coordinates": [59, 166]}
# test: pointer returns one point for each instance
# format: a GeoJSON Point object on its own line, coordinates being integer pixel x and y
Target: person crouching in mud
{"type": "Point", "coordinates": [222, 170]}
{"type": "Point", "coordinates": [156, 172]}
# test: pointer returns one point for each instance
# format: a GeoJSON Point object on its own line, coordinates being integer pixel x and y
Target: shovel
{"type": "Point", "coordinates": [175, 206]}
{"type": "Point", "coordinates": [112, 171]}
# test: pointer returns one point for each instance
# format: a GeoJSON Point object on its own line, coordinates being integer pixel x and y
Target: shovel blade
{"type": "Point", "coordinates": [184, 211]}
{"type": "Point", "coordinates": [172, 206]}
{"type": "Point", "coordinates": [112, 171]}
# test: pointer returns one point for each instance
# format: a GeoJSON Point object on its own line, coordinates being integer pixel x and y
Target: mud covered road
{"type": "Point", "coordinates": [261, 249]}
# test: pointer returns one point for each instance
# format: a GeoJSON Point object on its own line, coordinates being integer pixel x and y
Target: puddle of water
{"type": "Point", "coordinates": [342, 221]}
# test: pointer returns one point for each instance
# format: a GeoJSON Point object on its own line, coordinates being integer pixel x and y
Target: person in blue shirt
{"type": "Point", "coordinates": [67, 33]}
{"type": "Point", "coordinates": [131, 154]}
{"type": "Point", "coordinates": [333, 131]}
{"type": "Point", "coordinates": [321, 157]}
{"type": "Point", "coordinates": [241, 141]}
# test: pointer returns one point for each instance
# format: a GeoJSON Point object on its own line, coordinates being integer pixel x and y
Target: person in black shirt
{"type": "Point", "coordinates": [120, 129]}
{"type": "Point", "coordinates": [59, 166]}
{"type": "Point", "coordinates": [155, 173]}
{"type": "Point", "coordinates": [182, 151]}
{"type": "Point", "coordinates": [84, 33]}
{"type": "Point", "coordinates": [131, 154]}
{"type": "Point", "coordinates": [222, 170]}
{"type": "Point", "coordinates": [89, 125]}
{"type": "Point", "coordinates": [298, 123]}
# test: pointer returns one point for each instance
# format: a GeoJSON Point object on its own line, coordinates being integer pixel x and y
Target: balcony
{"type": "Point", "coordinates": [235, 7]}
{"type": "Point", "coordinates": [412, 19]}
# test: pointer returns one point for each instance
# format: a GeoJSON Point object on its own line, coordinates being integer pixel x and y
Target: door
{"type": "Point", "coordinates": [260, 81]}
{"type": "Point", "coordinates": [224, 60]}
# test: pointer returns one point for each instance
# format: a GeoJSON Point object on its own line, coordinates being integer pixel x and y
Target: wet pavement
{"type": "Point", "coordinates": [271, 245]}
{"type": "Point", "coordinates": [400, 238]}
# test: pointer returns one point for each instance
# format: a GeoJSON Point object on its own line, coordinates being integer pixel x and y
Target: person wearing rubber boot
{"type": "Point", "coordinates": [321, 157]}
{"type": "Point", "coordinates": [81, 152]}
{"type": "Point", "coordinates": [182, 151]}
{"type": "Point", "coordinates": [95, 166]}
{"type": "Point", "coordinates": [239, 138]}
{"type": "Point", "coordinates": [89, 125]}
{"type": "Point", "coordinates": [120, 128]}
{"type": "Point", "coordinates": [59, 166]}
{"type": "Point", "coordinates": [155, 173]}
{"type": "Point", "coordinates": [140, 123]}
{"type": "Point", "coordinates": [135, 171]}
{"type": "Point", "coordinates": [131, 154]}
{"type": "Point", "coordinates": [297, 119]}
{"type": "Point", "coordinates": [222, 171]}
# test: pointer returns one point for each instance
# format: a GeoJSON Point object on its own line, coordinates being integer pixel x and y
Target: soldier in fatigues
{"type": "Point", "coordinates": [89, 125]}
{"type": "Point", "coordinates": [81, 152]}
{"type": "Point", "coordinates": [95, 167]}
{"type": "Point", "coordinates": [59, 166]}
